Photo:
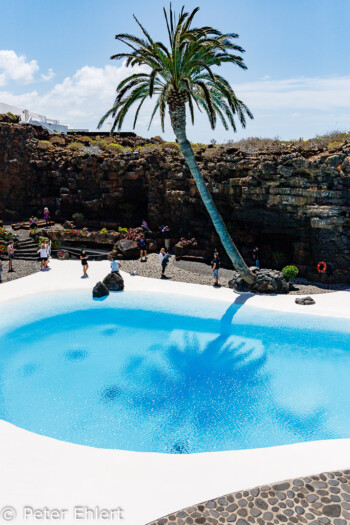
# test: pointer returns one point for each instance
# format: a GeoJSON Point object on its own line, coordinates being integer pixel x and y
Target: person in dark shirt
{"type": "Point", "coordinates": [143, 248]}
{"type": "Point", "coordinates": [84, 262]}
{"type": "Point", "coordinates": [215, 266]}
{"type": "Point", "coordinates": [167, 237]}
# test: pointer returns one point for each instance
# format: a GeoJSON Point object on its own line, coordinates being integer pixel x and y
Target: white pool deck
{"type": "Point", "coordinates": [42, 472]}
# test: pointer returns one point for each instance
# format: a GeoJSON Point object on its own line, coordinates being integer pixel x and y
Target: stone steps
{"type": "Point", "coordinates": [26, 250]}
{"type": "Point", "coordinates": [23, 249]}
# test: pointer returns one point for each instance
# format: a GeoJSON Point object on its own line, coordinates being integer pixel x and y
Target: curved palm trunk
{"type": "Point", "coordinates": [178, 121]}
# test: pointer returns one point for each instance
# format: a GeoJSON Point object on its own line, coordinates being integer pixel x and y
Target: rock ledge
{"type": "Point", "coordinates": [268, 281]}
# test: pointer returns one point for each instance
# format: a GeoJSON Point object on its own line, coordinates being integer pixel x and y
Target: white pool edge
{"type": "Point", "coordinates": [40, 471]}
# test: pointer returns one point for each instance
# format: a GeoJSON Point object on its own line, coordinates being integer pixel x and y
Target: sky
{"type": "Point", "coordinates": [55, 60]}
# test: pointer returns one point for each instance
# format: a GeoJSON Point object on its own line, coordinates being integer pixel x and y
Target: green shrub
{"type": "Point", "coordinates": [58, 140]}
{"type": "Point", "coordinates": [104, 231]}
{"type": "Point", "coordinates": [6, 235]}
{"type": "Point", "coordinates": [333, 146]}
{"type": "Point", "coordinates": [290, 272]}
{"type": "Point", "coordinates": [55, 244]}
{"type": "Point", "coordinates": [115, 148]}
{"type": "Point", "coordinates": [169, 145]}
{"type": "Point", "coordinates": [14, 118]}
{"type": "Point", "coordinates": [45, 144]}
{"type": "Point", "coordinates": [84, 139]}
{"type": "Point", "coordinates": [122, 230]}
{"type": "Point", "coordinates": [75, 146]}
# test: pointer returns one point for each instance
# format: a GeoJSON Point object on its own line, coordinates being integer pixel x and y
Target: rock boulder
{"type": "Point", "coordinates": [100, 290]}
{"type": "Point", "coordinates": [128, 248]}
{"type": "Point", "coordinates": [305, 300]}
{"type": "Point", "coordinates": [267, 281]}
{"type": "Point", "coordinates": [114, 282]}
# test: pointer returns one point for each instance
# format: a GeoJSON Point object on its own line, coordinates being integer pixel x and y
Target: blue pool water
{"type": "Point", "coordinates": [172, 374]}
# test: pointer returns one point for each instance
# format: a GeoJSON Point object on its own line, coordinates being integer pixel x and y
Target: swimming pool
{"type": "Point", "coordinates": [171, 374]}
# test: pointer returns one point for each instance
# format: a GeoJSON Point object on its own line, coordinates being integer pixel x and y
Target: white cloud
{"type": "Point", "coordinates": [16, 67]}
{"type": "Point", "coordinates": [23, 101]}
{"type": "Point", "coordinates": [49, 75]}
{"type": "Point", "coordinates": [313, 93]}
{"type": "Point", "coordinates": [289, 107]}
{"type": "Point", "coordinates": [80, 99]}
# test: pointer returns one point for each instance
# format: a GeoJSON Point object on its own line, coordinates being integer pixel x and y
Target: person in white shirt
{"type": "Point", "coordinates": [115, 265]}
{"type": "Point", "coordinates": [43, 255]}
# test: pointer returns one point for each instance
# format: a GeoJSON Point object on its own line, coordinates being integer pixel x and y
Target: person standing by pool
{"type": "Point", "coordinates": [143, 248]}
{"type": "Point", "coordinates": [11, 253]}
{"type": "Point", "coordinates": [163, 259]}
{"type": "Point", "coordinates": [215, 267]}
{"type": "Point", "coordinates": [84, 262]}
{"type": "Point", "coordinates": [43, 255]}
{"type": "Point", "coordinates": [47, 217]}
{"type": "Point", "coordinates": [167, 237]}
{"type": "Point", "coordinates": [115, 265]}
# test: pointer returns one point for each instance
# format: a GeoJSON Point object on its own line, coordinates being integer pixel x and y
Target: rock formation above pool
{"type": "Point", "coordinates": [291, 199]}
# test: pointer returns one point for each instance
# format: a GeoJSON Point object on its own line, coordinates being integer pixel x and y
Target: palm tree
{"type": "Point", "coordinates": [179, 76]}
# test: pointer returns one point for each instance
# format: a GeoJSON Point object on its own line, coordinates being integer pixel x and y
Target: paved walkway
{"type": "Point", "coordinates": [315, 500]}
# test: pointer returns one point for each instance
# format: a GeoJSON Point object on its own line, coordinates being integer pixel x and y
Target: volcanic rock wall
{"type": "Point", "coordinates": [292, 203]}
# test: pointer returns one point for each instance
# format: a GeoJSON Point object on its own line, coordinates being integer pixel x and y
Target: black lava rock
{"type": "Point", "coordinates": [267, 281]}
{"type": "Point", "coordinates": [100, 290]}
{"type": "Point", "coordinates": [114, 282]}
{"type": "Point", "coordinates": [305, 300]}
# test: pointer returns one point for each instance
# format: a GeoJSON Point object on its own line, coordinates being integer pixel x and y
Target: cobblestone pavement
{"type": "Point", "coordinates": [313, 500]}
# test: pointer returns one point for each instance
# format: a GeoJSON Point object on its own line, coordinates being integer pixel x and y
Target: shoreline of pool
{"type": "Point", "coordinates": [66, 275]}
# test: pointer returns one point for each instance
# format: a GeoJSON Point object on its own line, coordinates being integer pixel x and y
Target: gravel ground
{"type": "Point", "coordinates": [200, 273]}
{"type": "Point", "coordinates": [22, 268]}
{"type": "Point", "coordinates": [183, 271]}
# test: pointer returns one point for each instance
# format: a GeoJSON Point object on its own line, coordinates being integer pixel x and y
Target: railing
{"type": "Point", "coordinates": [43, 125]}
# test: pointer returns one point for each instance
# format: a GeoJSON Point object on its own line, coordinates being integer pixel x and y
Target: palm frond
{"type": "Point", "coordinates": [183, 73]}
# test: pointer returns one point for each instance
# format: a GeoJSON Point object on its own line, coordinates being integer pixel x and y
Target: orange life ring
{"type": "Point", "coordinates": [321, 267]}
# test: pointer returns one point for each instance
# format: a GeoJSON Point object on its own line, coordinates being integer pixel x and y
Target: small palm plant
{"type": "Point", "coordinates": [178, 76]}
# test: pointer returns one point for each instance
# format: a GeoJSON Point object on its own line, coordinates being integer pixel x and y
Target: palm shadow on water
{"type": "Point", "coordinates": [190, 389]}
{"type": "Point", "coordinates": [194, 385]}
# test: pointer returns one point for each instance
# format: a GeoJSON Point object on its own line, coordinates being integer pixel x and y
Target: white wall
{"type": "Point", "coordinates": [7, 108]}
{"type": "Point", "coordinates": [34, 118]}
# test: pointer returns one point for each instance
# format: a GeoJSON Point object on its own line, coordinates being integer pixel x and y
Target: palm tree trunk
{"type": "Point", "coordinates": [178, 121]}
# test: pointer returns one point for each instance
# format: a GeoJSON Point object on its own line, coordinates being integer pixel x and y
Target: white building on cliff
{"type": "Point", "coordinates": [29, 117]}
